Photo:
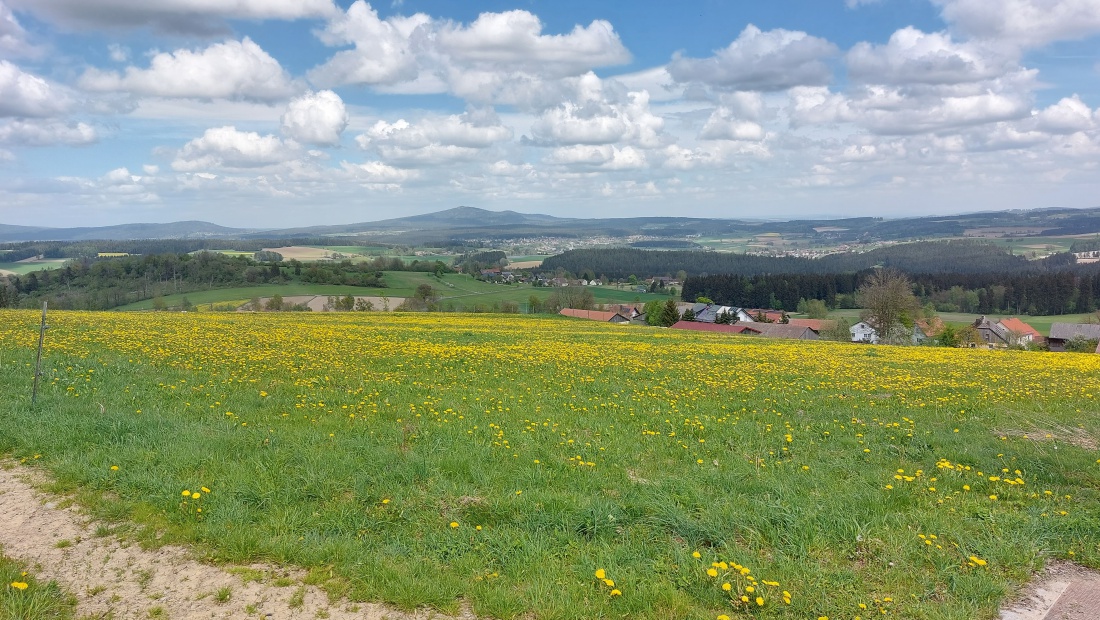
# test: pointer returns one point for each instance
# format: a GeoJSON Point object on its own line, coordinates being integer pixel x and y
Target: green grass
{"type": "Point", "coordinates": [38, 601]}
{"type": "Point", "coordinates": [460, 291]}
{"type": "Point", "coordinates": [348, 444]}
{"type": "Point", "coordinates": [38, 265]}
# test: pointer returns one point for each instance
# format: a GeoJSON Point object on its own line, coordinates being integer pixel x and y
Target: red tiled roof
{"type": "Point", "coordinates": [815, 324]}
{"type": "Point", "coordinates": [593, 315]}
{"type": "Point", "coordinates": [1016, 325]}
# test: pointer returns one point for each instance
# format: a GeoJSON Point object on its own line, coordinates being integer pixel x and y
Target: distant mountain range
{"type": "Point", "coordinates": [463, 223]}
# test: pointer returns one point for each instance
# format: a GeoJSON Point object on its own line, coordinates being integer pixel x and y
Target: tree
{"type": "Point", "coordinates": [158, 303]}
{"type": "Point", "coordinates": [815, 309]}
{"type": "Point", "coordinates": [689, 315]}
{"type": "Point", "coordinates": [669, 314]}
{"type": "Point", "coordinates": [534, 304]}
{"type": "Point", "coordinates": [275, 303]}
{"type": "Point", "coordinates": [888, 304]}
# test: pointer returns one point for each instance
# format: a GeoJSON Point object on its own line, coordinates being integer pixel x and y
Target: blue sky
{"type": "Point", "coordinates": [299, 112]}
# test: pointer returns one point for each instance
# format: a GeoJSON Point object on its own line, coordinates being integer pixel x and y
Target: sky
{"type": "Point", "coordinates": [281, 113]}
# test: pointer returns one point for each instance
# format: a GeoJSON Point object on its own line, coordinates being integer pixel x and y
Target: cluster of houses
{"type": "Point", "coordinates": [1003, 333]}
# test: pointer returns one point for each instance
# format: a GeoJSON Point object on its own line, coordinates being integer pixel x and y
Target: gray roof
{"type": "Point", "coordinates": [1069, 331]}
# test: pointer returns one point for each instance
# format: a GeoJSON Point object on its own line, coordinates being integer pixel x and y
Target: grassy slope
{"type": "Point", "coordinates": [25, 268]}
{"type": "Point", "coordinates": [350, 444]}
{"type": "Point", "coordinates": [460, 289]}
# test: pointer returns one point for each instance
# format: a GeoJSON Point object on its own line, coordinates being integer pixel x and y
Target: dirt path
{"type": "Point", "coordinates": [118, 580]}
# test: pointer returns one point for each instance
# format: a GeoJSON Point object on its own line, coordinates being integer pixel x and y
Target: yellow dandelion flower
{"type": "Point", "coordinates": [196, 495]}
{"type": "Point", "coordinates": [616, 593]}
{"type": "Point", "coordinates": [609, 583]}
{"type": "Point", "coordinates": [712, 572]}
{"type": "Point", "coordinates": [19, 585]}
{"type": "Point", "coordinates": [727, 586]}
{"type": "Point", "coordinates": [205, 490]}
{"type": "Point", "coordinates": [760, 601]}
{"type": "Point", "coordinates": [114, 467]}
{"type": "Point", "coordinates": [601, 573]}
{"type": "Point", "coordinates": [454, 524]}
{"type": "Point", "coordinates": [975, 559]}
{"type": "Point", "coordinates": [186, 493]}
{"type": "Point", "coordinates": [696, 554]}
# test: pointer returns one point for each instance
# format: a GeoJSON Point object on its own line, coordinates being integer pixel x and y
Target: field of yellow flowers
{"type": "Point", "coordinates": [569, 469]}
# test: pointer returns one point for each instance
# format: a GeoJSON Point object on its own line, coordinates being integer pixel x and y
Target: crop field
{"type": "Point", "coordinates": [551, 468]}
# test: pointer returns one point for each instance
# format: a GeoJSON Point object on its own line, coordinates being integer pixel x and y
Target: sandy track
{"type": "Point", "coordinates": [120, 580]}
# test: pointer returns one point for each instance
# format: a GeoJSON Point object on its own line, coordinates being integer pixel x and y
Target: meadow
{"type": "Point", "coordinates": [560, 469]}
{"type": "Point", "coordinates": [458, 290]}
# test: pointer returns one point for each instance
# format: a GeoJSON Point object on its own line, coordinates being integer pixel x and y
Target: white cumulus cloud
{"type": "Point", "coordinates": [26, 95]}
{"type": "Point", "coordinates": [227, 147]}
{"type": "Point", "coordinates": [316, 118]}
{"type": "Point", "coordinates": [1025, 23]}
{"type": "Point", "coordinates": [229, 70]}
{"type": "Point", "coordinates": [763, 61]}
{"type": "Point", "coordinates": [498, 58]}
{"type": "Point", "coordinates": [436, 140]}
{"type": "Point", "coordinates": [46, 133]}
{"type": "Point", "coordinates": [514, 40]}
{"type": "Point", "coordinates": [915, 57]}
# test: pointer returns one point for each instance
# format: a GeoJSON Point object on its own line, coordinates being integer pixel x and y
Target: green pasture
{"type": "Point", "coordinates": [461, 291]}
{"type": "Point", "coordinates": [23, 268]}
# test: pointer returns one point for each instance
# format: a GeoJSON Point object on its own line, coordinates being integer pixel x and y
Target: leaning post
{"type": "Point", "coordinates": [38, 360]}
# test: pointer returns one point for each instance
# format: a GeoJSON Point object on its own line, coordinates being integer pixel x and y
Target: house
{"type": "Point", "coordinates": [1061, 333]}
{"type": "Point", "coordinates": [781, 330]}
{"type": "Point", "coordinates": [992, 334]}
{"type": "Point", "coordinates": [772, 316]}
{"type": "Point", "coordinates": [709, 327]}
{"type": "Point", "coordinates": [863, 332]}
{"type": "Point", "coordinates": [1020, 333]}
{"type": "Point", "coordinates": [926, 329]}
{"type": "Point", "coordinates": [765, 330]}
{"type": "Point", "coordinates": [708, 313]}
{"type": "Point", "coordinates": [595, 315]}
{"type": "Point", "coordinates": [625, 310]}
{"type": "Point", "coordinates": [818, 325]}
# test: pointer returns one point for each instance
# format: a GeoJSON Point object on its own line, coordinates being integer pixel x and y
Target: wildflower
{"type": "Point", "coordinates": [454, 524]}
{"type": "Point", "coordinates": [727, 587]}
{"type": "Point", "coordinates": [609, 583]}
{"type": "Point", "coordinates": [722, 617]}
{"type": "Point", "coordinates": [114, 467]}
{"type": "Point", "coordinates": [616, 593]}
{"type": "Point", "coordinates": [205, 490]}
{"type": "Point", "coordinates": [601, 573]}
{"type": "Point", "coordinates": [186, 493]}
{"type": "Point", "coordinates": [712, 572]}
{"type": "Point", "coordinates": [696, 554]}
{"type": "Point", "coordinates": [19, 585]}
{"type": "Point", "coordinates": [196, 495]}
{"type": "Point", "coordinates": [760, 601]}
{"type": "Point", "coordinates": [385, 501]}
{"type": "Point", "coordinates": [993, 497]}
{"type": "Point", "coordinates": [978, 561]}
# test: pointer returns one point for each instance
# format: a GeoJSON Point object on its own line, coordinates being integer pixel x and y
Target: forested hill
{"type": "Point", "coordinates": [924, 257]}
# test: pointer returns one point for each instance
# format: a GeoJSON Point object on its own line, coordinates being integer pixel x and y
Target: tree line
{"type": "Point", "coordinates": [1058, 292]}
{"type": "Point", "coordinates": [958, 256]}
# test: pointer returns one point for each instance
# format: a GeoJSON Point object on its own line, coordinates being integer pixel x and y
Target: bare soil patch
{"type": "Point", "coordinates": [1063, 591]}
{"type": "Point", "coordinates": [301, 252]}
{"type": "Point", "coordinates": [113, 578]}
